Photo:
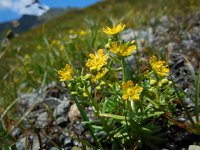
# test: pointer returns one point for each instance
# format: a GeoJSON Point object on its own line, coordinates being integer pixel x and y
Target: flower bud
{"type": "Point", "coordinates": [102, 83]}
{"type": "Point", "coordinates": [164, 81]}
{"type": "Point", "coordinates": [85, 94]}
{"type": "Point", "coordinates": [107, 46]}
{"type": "Point", "coordinates": [170, 83]}
{"type": "Point", "coordinates": [160, 84]}
{"type": "Point", "coordinates": [133, 42]}
{"type": "Point", "coordinates": [110, 40]}
{"type": "Point", "coordinates": [80, 88]}
{"type": "Point", "coordinates": [152, 90]}
{"type": "Point", "coordinates": [98, 87]}
{"type": "Point", "coordinates": [87, 76]}
{"type": "Point", "coordinates": [128, 43]}
{"type": "Point", "coordinates": [74, 93]}
{"type": "Point", "coordinates": [69, 85]}
{"type": "Point", "coordinates": [110, 85]}
{"type": "Point", "coordinates": [153, 82]}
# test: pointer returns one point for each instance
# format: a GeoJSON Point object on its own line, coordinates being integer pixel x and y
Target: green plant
{"type": "Point", "coordinates": [126, 110]}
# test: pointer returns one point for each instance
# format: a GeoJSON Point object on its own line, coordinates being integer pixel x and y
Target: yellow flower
{"type": "Point", "coordinates": [122, 49]}
{"type": "Point", "coordinates": [131, 92]}
{"type": "Point", "coordinates": [27, 56]}
{"type": "Point", "coordinates": [39, 47]}
{"type": "Point", "coordinates": [159, 67]}
{"type": "Point", "coordinates": [62, 47]}
{"type": "Point", "coordinates": [97, 61]}
{"type": "Point", "coordinates": [82, 33]}
{"type": "Point", "coordinates": [71, 31]}
{"type": "Point", "coordinates": [115, 29]}
{"type": "Point", "coordinates": [100, 74]}
{"type": "Point", "coordinates": [66, 73]}
{"type": "Point", "coordinates": [55, 43]}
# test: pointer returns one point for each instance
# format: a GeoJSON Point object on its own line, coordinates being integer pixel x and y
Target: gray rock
{"type": "Point", "coordinates": [20, 145]}
{"type": "Point", "coordinates": [76, 148]}
{"type": "Point", "coordinates": [188, 44]}
{"type": "Point", "coordinates": [74, 113]}
{"type": "Point", "coordinates": [131, 58]}
{"type": "Point", "coordinates": [53, 148]}
{"type": "Point", "coordinates": [35, 113]}
{"type": "Point", "coordinates": [32, 144]}
{"type": "Point", "coordinates": [160, 30]}
{"type": "Point", "coordinates": [152, 21]}
{"type": "Point", "coordinates": [61, 121]}
{"type": "Point", "coordinates": [52, 102]}
{"type": "Point", "coordinates": [42, 119]}
{"type": "Point", "coordinates": [130, 34]}
{"type": "Point", "coordinates": [16, 132]}
{"type": "Point", "coordinates": [68, 141]}
{"type": "Point", "coordinates": [36, 144]}
{"type": "Point", "coordinates": [188, 101]}
{"type": "Point", "coordinates": [181, 119]}
{"type": "Point", "coordinates": [194, 147]}
{"type": "Point", "coordinates": [172, 46]}
{"type": "Point", "coordinates": [80, 128]}
{"type": "Point", "coordinates": [77, 143]}
{"type": "Point", "coordinates": [164, 20]}
{"type": "Point", "coordinates": [61, 108]}
{"type": "Point", "coordinates": [25, 101]}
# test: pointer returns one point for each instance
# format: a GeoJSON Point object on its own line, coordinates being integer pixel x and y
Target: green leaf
{"type": "Point", "coordinates": [154, 114]}
{"type": "Point", "coordinates": [97, 127]}
{"type": "Point", "coordinates": [121, 133]}
{"type": "Point", "coordinates": [109, 106]}
{"type": "Point", "coordinates": [118, 117]}
{"type": "Point", "coordinates": [93, 124]}
{"type": "Point", "coordinates": [154, 103]}
{"type": "Point", "coordinates": [6, 147]}
{"type": "Point", "coordinates": [146, 130]}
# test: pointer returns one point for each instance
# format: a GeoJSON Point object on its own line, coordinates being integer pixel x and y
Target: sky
{"type": "Point", "coordinates": [13, 9]}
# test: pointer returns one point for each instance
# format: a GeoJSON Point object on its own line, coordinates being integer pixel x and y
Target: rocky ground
{"type": "Point", "coordinates": [51, 119]}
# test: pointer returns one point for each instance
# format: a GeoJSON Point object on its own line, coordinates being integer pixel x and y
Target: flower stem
{"type": "Point", "coordinates": [123, 69]}
{"type": "Point", "coordinates": [125, 114]}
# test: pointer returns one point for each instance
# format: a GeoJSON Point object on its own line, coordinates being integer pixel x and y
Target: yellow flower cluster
{"type": "Point", "coordinates": [57, 44]}
{"type": "Point", "coordinates": [131, 92]}
{"type": "Point", "coordinates": [115, 29]}
{"type": "Point", "coordinates": [66, 73]}
{"type": "Point", "coordinates": [100, 74]}
{"type": "Point", "coordinates": [159, 66]}
{"type": "Point", "coordinates": [97, 61]}
{"type": "Point", "coordinates": [122, 49]}
{"type": "Point", "coordinates": [75, 33]}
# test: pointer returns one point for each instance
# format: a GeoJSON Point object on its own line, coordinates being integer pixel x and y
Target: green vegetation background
{"type": "Point", "coordinates": [32, 58]}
